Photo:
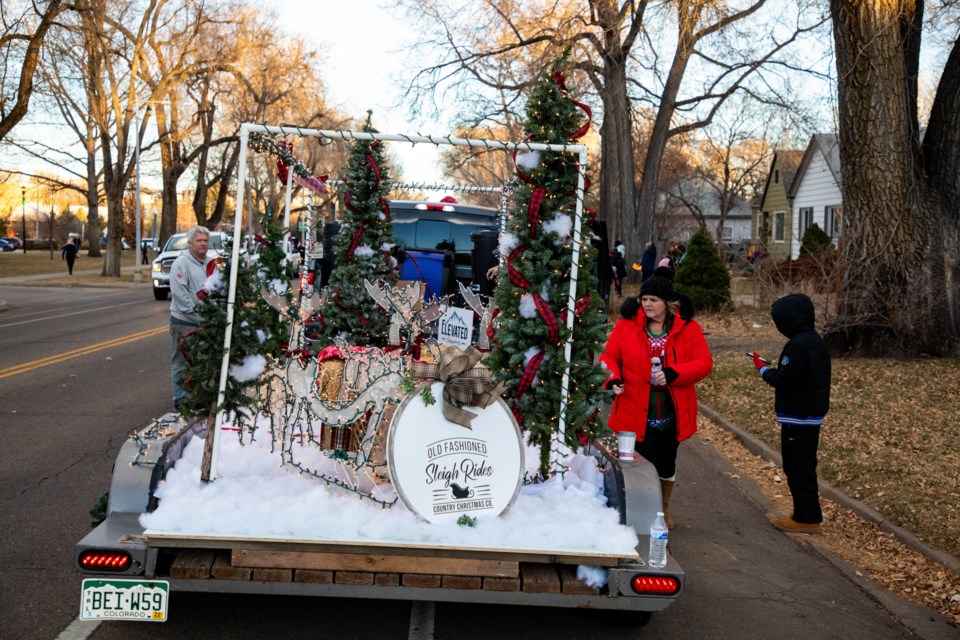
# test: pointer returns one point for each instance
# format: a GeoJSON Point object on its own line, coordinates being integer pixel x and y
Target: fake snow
{"type": "Point", "coordinates": [251, 368]}
{"type": "Point", "coordinates": [527, 307]}
{"type": "Point", "coordinates": [508, 242]}
{"type": "Point", "coordinates": [278, 286]}
{"type": "Point", "coordinates": [255, 496]}
{"type": "Point", "coordinates": [529, 160]}
{"type": "Point", "coordinates": [561, 225]}
{"type": "Point", "coordinates": [214, 281]}
{"type": "Point", "coordinates": [363, 251]}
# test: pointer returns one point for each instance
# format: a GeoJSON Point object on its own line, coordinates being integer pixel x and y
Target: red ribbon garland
{"type": "Point", "coordinates": [517, 414]}
{"type": "Point", "coordinates": [354, 242]}
{"type": "Point", "coordinates": [529, 372]}
{"type": "Point", "coordinates": [515, 276]}
{"type": "Point", "coordinates": [579, 307]}
{"type": "Point", "coordinates": [533, 211]}
{"type": "Point", "coordinates": [561, 82]}
{"type": "Point", "coordinates": [491, 330]}
{"type": "Point", "coordinates": [376, 170]}
{"type": "Point", "coordinates": [549, 319]}
{"type": "Point", "coordinates": [386, 208]}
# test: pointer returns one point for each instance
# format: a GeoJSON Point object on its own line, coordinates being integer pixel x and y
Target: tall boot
{"type": "Point", "coordinates": [666, 488]}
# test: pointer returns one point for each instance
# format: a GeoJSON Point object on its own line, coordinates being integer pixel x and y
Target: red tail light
{"type": "Point", "coordinates": [105, 560]}
{"type": "Point", "coordinates": [657, 585]}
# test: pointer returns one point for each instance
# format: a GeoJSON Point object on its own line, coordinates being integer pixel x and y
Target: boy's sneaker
{"type": "Point", "coordinates": [792, 526]}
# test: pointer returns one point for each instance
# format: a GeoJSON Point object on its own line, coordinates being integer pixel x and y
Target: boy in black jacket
{"type": "Point", "coordinates": [802, 382]}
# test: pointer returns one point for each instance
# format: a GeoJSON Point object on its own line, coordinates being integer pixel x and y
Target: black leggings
{"type": "Point", "coordinates": [660, 448]}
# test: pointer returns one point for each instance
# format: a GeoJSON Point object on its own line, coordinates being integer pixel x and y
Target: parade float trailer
{"type": "Point", "coordinates": [394, 511]}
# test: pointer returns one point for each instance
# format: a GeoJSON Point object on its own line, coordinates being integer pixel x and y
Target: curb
{"type": "Point", "coordinates": [758, 447]}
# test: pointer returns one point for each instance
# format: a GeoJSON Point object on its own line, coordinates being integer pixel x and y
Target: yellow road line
{"type": "Point", "coordinates": [82, 351]}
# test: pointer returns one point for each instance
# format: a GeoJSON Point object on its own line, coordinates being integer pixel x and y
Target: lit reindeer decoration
{"type": "Point", "coordinates": [407, 311]}
{"type": "Point", "coordinates": [485, 311]}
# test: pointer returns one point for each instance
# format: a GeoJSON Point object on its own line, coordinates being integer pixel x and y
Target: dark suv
{"type": "Point", "coordinates": [459, 237]}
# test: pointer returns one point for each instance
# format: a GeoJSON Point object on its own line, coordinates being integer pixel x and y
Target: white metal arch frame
{"type": "Point", "coordinates": [247, 128]}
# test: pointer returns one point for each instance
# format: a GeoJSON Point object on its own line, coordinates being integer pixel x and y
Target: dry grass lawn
{"type": "Point", "coordinates": [891, 440]}
{"type": "Point", "coordinates": [16, 263]}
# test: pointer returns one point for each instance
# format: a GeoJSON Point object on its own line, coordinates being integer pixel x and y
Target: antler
{"type": "Point", "coordinates": [485, 311]}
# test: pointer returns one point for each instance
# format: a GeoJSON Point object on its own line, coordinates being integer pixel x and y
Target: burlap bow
{"type": "Point", "coordinates": [465, 382]}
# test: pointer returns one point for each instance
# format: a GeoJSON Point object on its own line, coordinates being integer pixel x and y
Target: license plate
{"type": "Point", "coordinates": [104, 599]}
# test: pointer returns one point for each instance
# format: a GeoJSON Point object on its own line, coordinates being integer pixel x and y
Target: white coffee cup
{"type": "Point", "coordinates": [625, 442]}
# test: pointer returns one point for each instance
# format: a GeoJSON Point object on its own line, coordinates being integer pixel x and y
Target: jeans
{"type": "Point", "coordinates": [178, 364]}
{"type": "Point", "coordinates": [798, 446]}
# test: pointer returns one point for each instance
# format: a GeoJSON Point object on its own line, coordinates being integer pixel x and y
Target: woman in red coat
{"type": "Point", "coordinates": [656, 354]}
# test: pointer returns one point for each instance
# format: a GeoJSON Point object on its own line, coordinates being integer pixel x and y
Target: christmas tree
{"type": "Point", "coordinates": [259, 332]}
{"type": "Point", "coordinates": [533, 294]}
{"type": "Point", "coordinates": [361, 249]}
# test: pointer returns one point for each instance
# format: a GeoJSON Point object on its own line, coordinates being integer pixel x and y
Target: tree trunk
{"type": "Point", "coordinates": [111, 264]}
{"type": "Point", "coordinates": [616, 135]}
{"type": "Point", "coordinates": [644, 213]}
{"type": "Point", "coordinates": [93, 202]}
{"type": "Point", "coordinates": [892, 299]}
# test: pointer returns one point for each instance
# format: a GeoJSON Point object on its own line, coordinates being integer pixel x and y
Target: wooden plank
{"type": "Point", "coordinates": [462, 582]}
{"type": "Point", "coordinates": [223, 570]}
{"type": "Point", "coordinates": [313, 576]}
{"type": "Point", "coordinates": [353, 577]}
{"type": "Point", "coordinates": [192, 564]}
{"type": "Point", "coordinates": [183, 541]}
{"type": "Point", "coordinates": [569, 583]}
{"type": "Point", "coordinates": [501, 584]}
{"type": "Point", "coordinates": [539, 578]}
{"type": "Point", "coordinates": [374, 563]}
{"type": "Point", "coordinates": [387, 579]}
{"type": "Point", "coordinates": [420, 580]}
{"type": "Point", "coordinates": [272, 575]}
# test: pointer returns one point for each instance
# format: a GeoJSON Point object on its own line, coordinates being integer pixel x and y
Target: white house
{"type": "Point", "coordinates": [815, 191]}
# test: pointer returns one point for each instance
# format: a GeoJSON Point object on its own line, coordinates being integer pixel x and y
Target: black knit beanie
{"type": "Point", "coordinates": [658, 286]}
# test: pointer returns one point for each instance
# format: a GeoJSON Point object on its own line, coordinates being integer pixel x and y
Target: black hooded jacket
{"type": "Point", "coordinates": [802, 374]}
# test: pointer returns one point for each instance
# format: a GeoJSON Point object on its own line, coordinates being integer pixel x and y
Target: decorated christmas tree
{"type": "Point", "coordinates": [259, 331]}
{"type": "Point", "coordinates": [361, 249]}
{"type": "Point", "coordinates": [533, 294]}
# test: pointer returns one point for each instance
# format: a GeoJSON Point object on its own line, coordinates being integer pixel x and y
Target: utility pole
{"type": "Point", "coordinates": [23, 220]}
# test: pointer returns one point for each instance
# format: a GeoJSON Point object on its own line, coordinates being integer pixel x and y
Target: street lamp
{"type": "Point", "coordinates": [23, 220]}
{"type": "Point", "coordinates": [136, 256]}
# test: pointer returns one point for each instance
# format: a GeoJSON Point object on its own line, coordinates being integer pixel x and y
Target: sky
{"type": "Point", "coordinates": [360, 43]}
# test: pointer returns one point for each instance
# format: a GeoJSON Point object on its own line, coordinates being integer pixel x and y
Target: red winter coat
{"type": "Point", "coordinates": [627, 356]}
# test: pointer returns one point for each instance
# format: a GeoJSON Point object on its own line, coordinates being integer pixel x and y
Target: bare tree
{"type": "Point", "coordinates": [729, 159]}
{"type": "Point", "coordinates": [22, 32]}
{"type": "Point", "coordinates": [901, 232]}
{"type": "Point", "coordinates": [619, 46]}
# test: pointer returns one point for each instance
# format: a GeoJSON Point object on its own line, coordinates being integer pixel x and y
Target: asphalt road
{"type": "Point", "coordinates": [79, 369]}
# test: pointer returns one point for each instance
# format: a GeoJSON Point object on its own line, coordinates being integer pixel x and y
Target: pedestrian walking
{"type": "Point", "coordinates": [619, 269]}
{"type": "Point", "coordinates": [801, 378]}
{"type": "Point", "coordinates": [69, 253]}
{"type": "Point", "coordinates": [648, 261]}
{"type": "Point", "coordinates": [656, 354]}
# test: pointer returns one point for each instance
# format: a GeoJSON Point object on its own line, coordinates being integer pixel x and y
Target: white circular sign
{"type": "Point", "coordinates": [443, 471]}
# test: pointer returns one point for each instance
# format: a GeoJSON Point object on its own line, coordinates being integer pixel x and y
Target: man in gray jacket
{"type": "Point", "coordinates": [187, 275]}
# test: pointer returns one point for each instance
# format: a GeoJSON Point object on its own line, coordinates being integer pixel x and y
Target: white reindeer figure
{"type": "Point", "coordinates": [407, 311]}
{"type": "Point", "coordinates": [485, 311]}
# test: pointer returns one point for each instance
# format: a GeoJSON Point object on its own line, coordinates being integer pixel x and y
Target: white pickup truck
{"type": "Point", "coordinates": [128, 575]}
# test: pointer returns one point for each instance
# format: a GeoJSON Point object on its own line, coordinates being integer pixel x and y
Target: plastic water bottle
{"type": "Point", "coordinates": [658, 542]}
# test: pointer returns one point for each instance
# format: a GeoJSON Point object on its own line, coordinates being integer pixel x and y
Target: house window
{"type": "Point", "coordinates": [806, 219]}
{"type": "Point", "coordinates": [779, 226]}
{"type": "Point", "coordinates": [728, 233]}
{"type": "Point", "coordinates": [833, 218]}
